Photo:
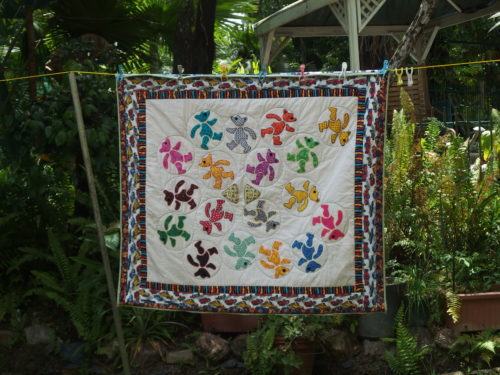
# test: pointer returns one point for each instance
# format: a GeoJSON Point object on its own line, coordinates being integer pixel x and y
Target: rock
{"type": "Point", "coordinates": [179, 356]}
{"type": "Point", "coordinates": [341, 344]}
{"type": "Point", "coordinates": [147, 354]}
{"type": "Point", "coordinates": [374, 348]}
{"type": "Point", "coordinates": [445, 338]}
{"type": "Point", "coordinates": [7, 336]}
{"type": "Point", "coordinates": [232, 363]}
{"type": "Point", "coordinates": [212, 347]}
{"type": "Point", "coordinates": [239, 344]}
{"type": "Point", "coordinates": [72, 352]}
{"type": "Point", "coordinates": [38, 334]}
{"type": "Point", "coordinates": [423, 335]}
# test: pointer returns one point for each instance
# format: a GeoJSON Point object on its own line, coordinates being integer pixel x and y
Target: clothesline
{"type": "Point", "coordinates": [236, 75]}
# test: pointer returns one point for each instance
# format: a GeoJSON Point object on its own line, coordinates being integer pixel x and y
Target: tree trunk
{"type": "Point", "coordinates": [412, 34]}
{"type": "Point", "coordinates": [194, 46]}
{"type": "Point", "coordinates": [31, 54]}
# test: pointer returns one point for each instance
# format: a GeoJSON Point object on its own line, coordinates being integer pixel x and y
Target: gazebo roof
{"type": "Point", "coordinates": [308, 18]}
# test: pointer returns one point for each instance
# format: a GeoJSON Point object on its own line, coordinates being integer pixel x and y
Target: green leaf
{"type": "Point", "coordinates": [487, 345]}
{"type": "Point", "coordinates": [60, 138]}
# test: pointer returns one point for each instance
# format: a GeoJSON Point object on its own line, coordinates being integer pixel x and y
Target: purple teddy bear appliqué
{"type": "Point", "coordinates": [264, 167]}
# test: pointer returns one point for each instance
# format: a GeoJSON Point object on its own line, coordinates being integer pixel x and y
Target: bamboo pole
{"type": "Point", "coordinates": [97, 217]}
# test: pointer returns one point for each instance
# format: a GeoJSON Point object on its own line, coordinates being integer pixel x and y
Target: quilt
{"type": "Point", "coordinates": [252, 195]}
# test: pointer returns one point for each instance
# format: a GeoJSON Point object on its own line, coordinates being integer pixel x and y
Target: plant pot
{"type": "Point", "coordinates": [377, 325]}
{"type": "Point", "coordinates": [303, 348]}
{"type": "Point", "coordinates": [479, 311]}
{"type": "Point", "coordinates": [229, 322]}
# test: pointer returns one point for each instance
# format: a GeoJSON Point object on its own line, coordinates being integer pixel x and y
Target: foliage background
{"type": "Point", "coordinates": [49, 260]}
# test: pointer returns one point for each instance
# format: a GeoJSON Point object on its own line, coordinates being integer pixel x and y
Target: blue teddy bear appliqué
{"type": "Point", "coordinates": [309, 253]}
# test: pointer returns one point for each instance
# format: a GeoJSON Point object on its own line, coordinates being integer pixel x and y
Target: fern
{"type": "Point", "coordinates": [477, 349]}
{"type": "Point", "coordinates": [431, 138]}
{"type": "Point", "coordinates": [408, 356]}
{"type": "Point", "coordinates": [453, 305]}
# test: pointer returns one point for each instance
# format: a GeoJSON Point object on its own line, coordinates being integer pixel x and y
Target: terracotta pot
{"type": "Point", "coordinates": [479, 311]}
{"type": "Point", "coordinates": [229, 322]}
{"type": "Point", "coordinates": [303, 348]}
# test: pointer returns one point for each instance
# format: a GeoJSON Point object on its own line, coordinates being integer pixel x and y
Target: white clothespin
{"type": "Point", "coordinates": [409, 75]}
{"type": "Point", "coordinates": [399, 75]}
{"type": "Point", "coordinates": [180, 69]}
{"type": "Point", "coordinates": [343, 71]}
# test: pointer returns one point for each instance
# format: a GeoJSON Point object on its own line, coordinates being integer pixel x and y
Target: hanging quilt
{"type": "Point", "coordinates": [252, 196]}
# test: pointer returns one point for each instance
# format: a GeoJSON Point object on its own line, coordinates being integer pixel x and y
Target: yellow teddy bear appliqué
{"type": "Point", "coordinates": [336, 126]}
{"type": "Point", "coordinates": [274, 260]}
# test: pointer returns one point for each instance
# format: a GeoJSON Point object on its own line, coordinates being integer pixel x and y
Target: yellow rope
{"type": "Point", "coordinates": [55, 74]}
{"type": "Point", "coordinates": [113, 74]}
{"type": "Point", "coordinates": [452, 64]}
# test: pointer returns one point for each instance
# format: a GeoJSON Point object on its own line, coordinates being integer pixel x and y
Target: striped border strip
{"type": "Point", "coordinates": [318, 292]}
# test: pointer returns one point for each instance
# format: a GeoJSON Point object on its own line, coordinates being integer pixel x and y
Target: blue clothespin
{"type": "Point", "coordinates": [119, 76]}
{"type": "Point", "coordinates": [384, 69]}
{"type": "Point", "coordinates": [262, 74]}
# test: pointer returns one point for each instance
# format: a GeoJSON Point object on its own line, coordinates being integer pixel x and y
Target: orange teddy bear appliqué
{"type": "Point", "coordinates": [215, 170]}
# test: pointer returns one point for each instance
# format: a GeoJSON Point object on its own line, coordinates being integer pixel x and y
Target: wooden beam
{"type": "Point", "coordinates": [339, 13]}
{"type": "Point", "coordinates": [458, 18]}
{"type": "Point", "coordinates": [397, 38]}
{"type": "Point", "coordinates": [312, 31]}
{"type": "Point", "coordinates": [278, 48]}
{"type": "Point", "coordinates": [288, 14]}
{"type": "Point", "coordinates": [455, 5]}
{"type": "Point", "coordinates": [266, 42]}
{"type": "Point", "coordinates": [424, 44]}
{"type": "Point", "coordinates": [374, 10]}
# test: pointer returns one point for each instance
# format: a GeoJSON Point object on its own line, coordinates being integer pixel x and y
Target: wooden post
{"type": "Point", "coordinates": [97, 217]}
{"type": "Point", "coordinates": [352, 26]}
{"type": "Point", "coordinates": [30, 42]}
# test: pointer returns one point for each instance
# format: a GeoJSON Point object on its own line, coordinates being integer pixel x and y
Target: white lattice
{"type": "Point", "coordinates": [339, 9]}
{"type": "Point", "coordinates": [366, 10]}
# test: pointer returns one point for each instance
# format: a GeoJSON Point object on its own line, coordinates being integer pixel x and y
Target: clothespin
{"type": "Point", "coordinates": [302, 76]}
{"type": "Point", "coordinates": [409, 75]}
{"type": "Point", "coordinates": [399, 74]}
{"type": "Point", "coordinates": [223, 69]}
{"type": "Point", "coordinates": [343, 71]}
{"type": "Point", "coordinates": [119, 76]}
{"type": "Point", "coordinates": [180, 69]}
{"type": "Point", "coordinates": [385, 68]}
{"type": "Point", "coordinates": [262, 74]}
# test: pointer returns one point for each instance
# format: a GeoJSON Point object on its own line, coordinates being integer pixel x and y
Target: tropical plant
{"type": "Point", "coordinates": [149, 327]}
{"type": "Point", "coordinates": [408, 357]}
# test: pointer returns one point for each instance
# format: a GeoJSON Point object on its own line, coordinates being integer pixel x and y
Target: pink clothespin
{"type": "Point", "coordinates": [302, 75]}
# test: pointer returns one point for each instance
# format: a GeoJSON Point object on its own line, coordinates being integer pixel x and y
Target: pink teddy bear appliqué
{"type": "Point", "coordinates": [173, 155]}
{"type": "Point", "coordinates": [329, 226]}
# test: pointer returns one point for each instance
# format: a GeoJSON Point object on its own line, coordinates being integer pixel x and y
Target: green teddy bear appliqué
{"type": "Point", "coordinates": [174, 230]}
{"type": "Point", "coordinates": [302, 156]}
{"type": "Point", "coordinates": [240, 251]}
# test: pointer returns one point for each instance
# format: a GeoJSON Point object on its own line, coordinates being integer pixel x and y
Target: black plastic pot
{"type": "Point", "coordinates": [377, 325]}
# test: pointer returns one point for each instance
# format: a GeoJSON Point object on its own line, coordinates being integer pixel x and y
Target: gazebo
{"type": "Point", "coordinates": [355, 18]}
